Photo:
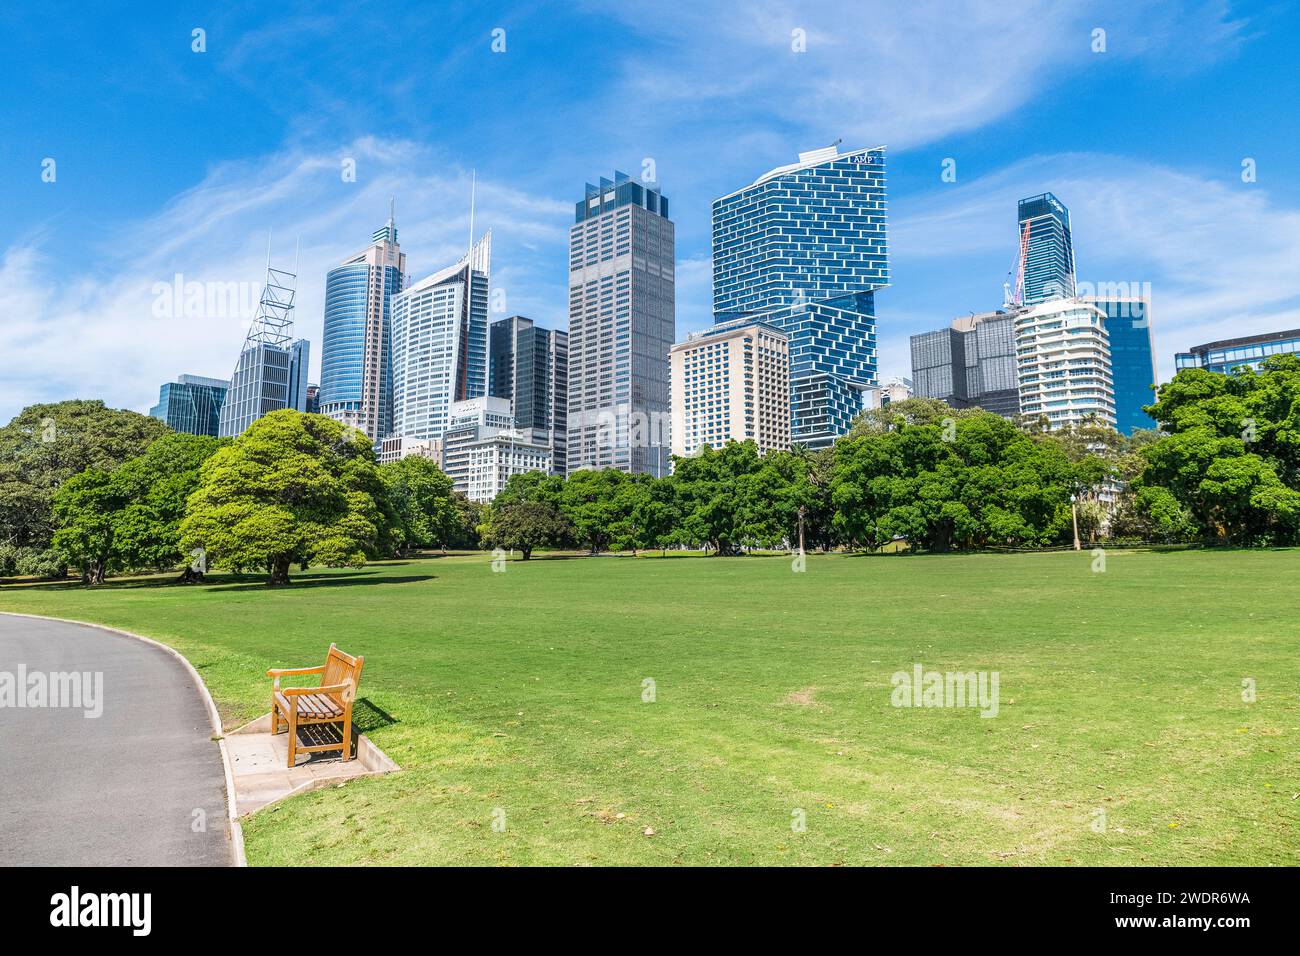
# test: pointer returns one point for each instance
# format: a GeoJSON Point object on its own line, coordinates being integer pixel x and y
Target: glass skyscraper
{"type": "Point", "coordinates": [440, 354]}
{"type": "Point", "coordinates": [970, 364]}
{"type": "Point", "coordinates": [803, 248]}
{"type": "Point", "coordinates": [622, 322]}
{"type": "Point", "coordinates": [1132, 359]}
{"type": "Point", "coordinates": [356, 385]}
{"type": "Point", "coordinates": [192, 404]}
{"type": "Point", "coordinates": [1046, 263]}
{"type": "Point", "coordinates": [529, 365]}
{"type": "Point", "coordinates": [1246, 352]}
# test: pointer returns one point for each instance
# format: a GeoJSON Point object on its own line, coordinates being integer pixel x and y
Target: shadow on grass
{"type": "Point", "coordinates": [367, 717]}
{"type": "Point", "coordinates": [300, 581]}
{"type": "Point", "coordinates": [239, 582]}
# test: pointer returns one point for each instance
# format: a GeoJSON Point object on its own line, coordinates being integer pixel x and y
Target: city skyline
{"type": "Point", "coordinates": [91, 246]}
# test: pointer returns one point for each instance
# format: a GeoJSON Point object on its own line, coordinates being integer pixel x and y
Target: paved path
{"type": "Point", "coordinates": [118, 789]}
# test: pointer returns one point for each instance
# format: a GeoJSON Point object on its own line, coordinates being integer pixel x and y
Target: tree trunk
{"type": "Point", "coordinates": [97, 571]}
{"type": "Point", "coordinates": [279, 572]}
{"type": "Point", "coordinates": [526, 552]}
{"type": "Point", "coordinates": [190, 576]}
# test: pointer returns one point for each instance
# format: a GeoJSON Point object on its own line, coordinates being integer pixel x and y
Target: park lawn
{"type": "Point", "coordinates": [517, 697]}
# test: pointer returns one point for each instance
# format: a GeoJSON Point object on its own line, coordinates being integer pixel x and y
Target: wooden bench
{"type": "Point", "coordinates": [330, 703]}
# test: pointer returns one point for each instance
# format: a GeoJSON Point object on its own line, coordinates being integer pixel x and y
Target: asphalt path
{"type": "Point", "coordinates": [141, 784]}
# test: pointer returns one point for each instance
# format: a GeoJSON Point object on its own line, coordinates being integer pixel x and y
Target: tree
{"type": "Point", "coordinates": [420, 494]}
{"type": "Point", "coordinates": [292, 488]}
{"type": "Point", "coordinates": [588, 503]}
{"type": "Point", "coordinates": [44, 446]}
{"type": "Point", "coordinates": [130, 517]}
{"type": "Point", "coordinates": [524, 526]}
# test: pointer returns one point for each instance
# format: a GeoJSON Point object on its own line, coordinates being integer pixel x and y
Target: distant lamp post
{"type": "Point", "coordinates": [802, 511]}
{"type": "Point", "coordinates": [1074, 512]}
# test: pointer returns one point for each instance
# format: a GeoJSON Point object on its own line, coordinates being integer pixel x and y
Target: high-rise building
{"type": "Point", "coordinates": [621, 326]}
{"type": "Point", "coordinates": [731, 383]}
{"type": "Point", "coordinates": [972, 363]}
{"type": "Point", "coordinates": [1249, 351]}
{"type": "Point", "coordinates": [481, 449]}
{"type": "Point", "coordinates": [1046, 262]}
{"type": "Point", "coordinates": [440, 329]}
{"type": "Point", "coordinates": [313, 400]}
{"type": "Point", "coordinates": [529, 365]}
{"type": "Point", "coordinates": [356, 358]}
{"type": "Point", "coordinates": [803, 248]}
{"type": "Point", "coordinates": [1132, 359]}
{"type": "Point", "coordinates": [272, 370]}
{"type": "Point", "coordinates": [1064, 364]}
{"type": "Point", "coordinates": [192, 404]}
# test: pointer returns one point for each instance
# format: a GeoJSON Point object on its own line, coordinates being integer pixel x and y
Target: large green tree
{"type": "Point", "coordinates": [525, 526]}
{"type": "Point", "coordinates": [40, 449]}
{"type": "Point", "coordinates": [293, 488]}
{"type": "Point", "coordinates": [424, 508]}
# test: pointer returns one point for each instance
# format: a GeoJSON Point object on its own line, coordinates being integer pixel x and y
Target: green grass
{"type": "Point", "coordinates": [522, 691]}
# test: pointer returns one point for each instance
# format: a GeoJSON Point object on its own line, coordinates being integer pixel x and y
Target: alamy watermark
{"type": "Point", "coordinates": [922, 688]}
{"type": "Point", "coordinates": [58, 689]}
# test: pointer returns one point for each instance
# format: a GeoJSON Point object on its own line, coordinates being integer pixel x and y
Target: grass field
{"type": "Point", "coordinates": [518, 696]}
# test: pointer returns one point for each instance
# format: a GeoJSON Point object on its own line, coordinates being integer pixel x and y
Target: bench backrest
{"type": "Point", "coordinates": [342, 668]}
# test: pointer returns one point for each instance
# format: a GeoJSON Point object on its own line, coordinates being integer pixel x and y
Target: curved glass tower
{"type": "Point", "coordinates": [356, 385]}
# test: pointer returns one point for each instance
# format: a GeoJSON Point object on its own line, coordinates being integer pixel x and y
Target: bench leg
{"type": "Point", "coordinates": [275, 717]}
{"type": "Point", "coordinates": [347, 737]}
{"type": "Point", "coordinates": [293, 736]}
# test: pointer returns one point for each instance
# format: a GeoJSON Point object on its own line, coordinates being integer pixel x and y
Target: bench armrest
{"type": "Point", "coordinates": [278, 672]}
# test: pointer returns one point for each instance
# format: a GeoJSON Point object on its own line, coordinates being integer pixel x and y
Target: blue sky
{"type": "Point", "coordinates": [170, 161]}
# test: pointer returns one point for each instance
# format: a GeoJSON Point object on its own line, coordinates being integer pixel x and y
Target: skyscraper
{"type": "Point", "coordinates": [529, 365]}
{"type": "Point", "coordinates": [1132, 359]}
{"type": "Point", "coordinates": [272, 370]}
{"type": "Point", "coordinates": [440, 329]}
{"type": "Point", "coordinates": [192, 404]}
{"type": "Point", "coordinates": [1249, 351]}
{"type": "Point", "coordinates": [1046, 261]}
{"type": "Point", "coordinates": [803, 248]}
{"type": "Point", "coordinates": [972, 363]}
{"type": "Point", "coordinates": [356, 358]}
{"type": "Point", "coordinates": [622, 322]}
{"type": "Point", "coordinates": [1064, 363]}
{"type": "Point", "coordinates": [731, 383]}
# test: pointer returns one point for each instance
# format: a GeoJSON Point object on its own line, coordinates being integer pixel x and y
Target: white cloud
{"type": "Point", "coordinates": [94, 333]}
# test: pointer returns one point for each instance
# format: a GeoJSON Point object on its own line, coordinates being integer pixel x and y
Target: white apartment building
{"type": "Point", "coordinates": [489, 463]}
{"type": "Point", "coordinates": [1063, 363]}
{"type": "Point", "coordinates": [398, 447]}
{"type": "Point", "coordinates": [731, 382]}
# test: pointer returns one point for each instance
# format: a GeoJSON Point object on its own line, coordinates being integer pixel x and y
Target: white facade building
{"type": "Point", "coordinates": [1063, 363]}
{"type": "Point", "coordinates": [489, 463]}
{"type": "Point", "coordinates": [731, 382]}
{"type": "Point", "coordinates": [398, 447]}
{"type": "Point", "coordinates": [893, 389]}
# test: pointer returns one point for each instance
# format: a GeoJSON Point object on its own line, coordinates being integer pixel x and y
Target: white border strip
{"type": "Point", "coordinates": [236, 831]}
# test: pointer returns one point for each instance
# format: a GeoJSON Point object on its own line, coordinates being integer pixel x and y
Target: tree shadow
{"type": "Point", "coordinates": [302, 581]}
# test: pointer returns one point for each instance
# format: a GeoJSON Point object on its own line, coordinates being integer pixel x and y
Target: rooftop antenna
{"type": "Point", "coordinates": [473, 185]}
{"type": "Point", "coordinates": [392, 210]}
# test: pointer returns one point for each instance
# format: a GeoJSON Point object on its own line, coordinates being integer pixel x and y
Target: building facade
{"type": "Point", "coordinates": [1132, 359]}
{"type": "Point", "coordinates": [313, 400]}
{"type": "Point", "coordinates": [890, 390]}
{"type": "Point", "coordinates": [1046, 262]}
{"type": "Point", "coordinates": [731, 383]}
{"type": "Point", "coordinates": [1064, 365]}
{"type": "Point", "coordinates": [272, 370]}
{"type": "Point", "coordinates": [622, 322]}
{"type": "Point", "coordinates": [970, 364]}
{"type": "Point", "coordinates": [481, 448]}
{"type": "Point", "coordinates": [192, 404]}
{"type": "Point", "coordinates": [395, 447]}
{"type": "Point", "coordinates": [529, 365]}
{"type": "Point", "coordinates": [356, 355]}
{"type": "Point", "coordinates": [1249, 351]}
{"type": "Point", "coordinates": [803, 248]}
{"type": "Point", "coordinates": [440, 331]}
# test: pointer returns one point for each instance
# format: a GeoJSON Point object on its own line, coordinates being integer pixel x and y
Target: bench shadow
{"type": "Point", "coordinates": [367, 717]}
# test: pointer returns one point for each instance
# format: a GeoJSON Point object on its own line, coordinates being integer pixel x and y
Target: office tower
{"type": "Point", "coordinates": [1248, 351]}
{"type": "Point", "coordinates": [621, 326]}
{"type": "Point", "coordinates": [271, 373]}
{"type": "Point", "coordinates": [313, 400]}
{"type": "Point", "coordinates": [192, 404]}
{"type": "Point", "coordinates": [1064, 364]}
{"type": "Point", "coordinates": [481, 449]}
{"type": "Point", "coordinates": [1046, 262]}
{"type": "Point", "coordinates": [972, 363]}
{"type": "Point", "coordinates": [356, 357]}
{"type": "Point", "coordinates": [440, 329]}
{"type": "Point", "coordinates": [731, 383]}
{"type": "Point", "coordinates": [890, 390]}
{"type": "Point", "coordinates": [1132, 359]}
{"type": "Point", "coordinates": [803, 248]}
{"type": "Point", "coordinates": [529, 366]}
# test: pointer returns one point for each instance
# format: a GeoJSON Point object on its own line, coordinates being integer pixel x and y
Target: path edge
{"type": "Point", "coordinates": [214, 717]}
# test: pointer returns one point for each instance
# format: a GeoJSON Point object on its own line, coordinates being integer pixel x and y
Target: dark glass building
{"type": "Point", "coordinates": [1046, 250]}
{"type": "Point", "coordinates": [1132, 360]}
{"type": "Point", "coordinates": [529, 365]}
{"type": "Point", "coordinates": [191, 404]}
